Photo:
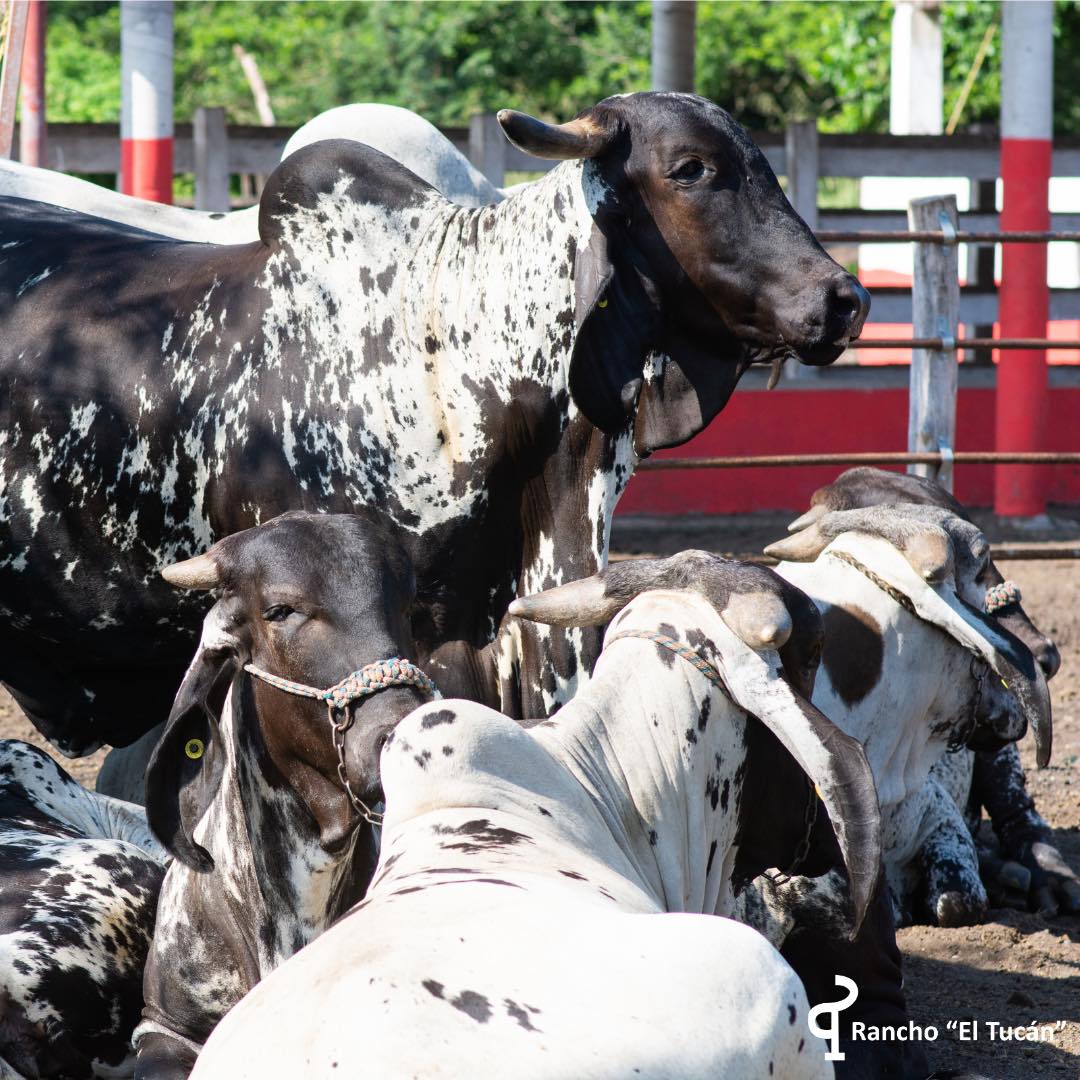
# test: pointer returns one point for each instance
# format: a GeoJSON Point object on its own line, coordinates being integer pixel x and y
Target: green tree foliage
{"type": "Point", "coordinates": [767, 62]}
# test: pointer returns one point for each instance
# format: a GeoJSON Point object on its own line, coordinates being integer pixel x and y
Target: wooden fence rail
{"type": "Point", "coordinates": [213, 152]}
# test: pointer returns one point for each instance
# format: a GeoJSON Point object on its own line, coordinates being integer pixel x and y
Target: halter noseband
{"type": "Point", "coordinates": [362, 683]}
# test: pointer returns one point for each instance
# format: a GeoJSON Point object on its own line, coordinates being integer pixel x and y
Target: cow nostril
{"type": "Point", "coordinates": [1049, 659]}
{"type": "Point", "coordinates": [849, 304]}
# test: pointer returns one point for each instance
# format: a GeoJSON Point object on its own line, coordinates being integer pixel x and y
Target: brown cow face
{"type": "Point", "coordinates": [309, 598]}
{"type": "Point", "coordinates": [697, 263]}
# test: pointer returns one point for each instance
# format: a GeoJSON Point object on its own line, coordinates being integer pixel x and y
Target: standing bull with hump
{"type": "Point", "coordinates": [488, 378]}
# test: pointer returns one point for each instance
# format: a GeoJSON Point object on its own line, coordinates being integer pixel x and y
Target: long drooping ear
{"type": "Point", "coordinates": [688, 386]}
{"type": "Point", "coordinates": [835, 762]}
{"type": "Point", "coordinates": [186, 766]}
{"type": "Point", "coordinates": [616, 321]}
{"type": "Point", "coordinates": [583, 137]}
{"type": "Point", "coordinates": [980, 634]}
{"type": "Point", "coordinates": [925, 545]}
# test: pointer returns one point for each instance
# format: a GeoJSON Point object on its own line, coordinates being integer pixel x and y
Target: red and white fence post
{"type": "Point", "coordinates": [1027, 112]}
{"type": "Point", "coordinates": [146, 117]}
{"type": "Point", "coordinates": [32, 88]}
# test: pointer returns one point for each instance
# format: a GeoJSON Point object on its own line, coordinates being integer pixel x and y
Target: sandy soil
{"type": "Point", "coordinates": [1014, 970]}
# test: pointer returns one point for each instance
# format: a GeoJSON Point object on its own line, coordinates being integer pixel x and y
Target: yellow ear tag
{"type": "Point", "coordinates": [194, 749]}
{"type": "Point", "coordinates": [1005, 684]}
{"type": "Point", "coordinates": [602, 302]}
{"type": "Point", "coordinates": [817, 791]}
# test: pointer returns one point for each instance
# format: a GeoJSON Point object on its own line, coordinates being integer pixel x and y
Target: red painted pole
{"type": "Point", "coordinates": [1021, 402]}
{"type": "Point", "coordinates": [146, 117]}
{"type": "Point", "coordinates": [32, 148]}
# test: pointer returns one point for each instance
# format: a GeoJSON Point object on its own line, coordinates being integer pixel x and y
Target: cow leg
{"type": "Point", "coordinates": [161, 1057]}
{"type": "Point", "coordinates": [950, 865]}
{"type": "Point", "coordinates": [819, 913]}
{"type": "Point", "coordinates": [999, 784]}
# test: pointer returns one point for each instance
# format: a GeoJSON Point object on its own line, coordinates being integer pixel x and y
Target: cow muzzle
{"type": "Point", "coordinates": [823, 320]}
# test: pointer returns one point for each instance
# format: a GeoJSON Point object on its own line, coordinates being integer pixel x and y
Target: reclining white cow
{"type": "Point", "coordinates": [399, 133]}
{"type": "Point", "coordinates": [519, 919]}
{"type": "Point", "coordinates": [913, 665]}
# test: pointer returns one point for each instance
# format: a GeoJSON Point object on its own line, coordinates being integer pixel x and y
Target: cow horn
{"type": "Point", "coordinates": [761, 619]}
{"type": "Point", "coordinates": [582, 137]}
{"type": "Point", "coordinates": [200, 572]}
{"type": "Point", "coordinates": [579, 603]}
{"type": "Point", "coordinates": [807, 519]}
{"type": "Point", "coordinates": [925, 545]}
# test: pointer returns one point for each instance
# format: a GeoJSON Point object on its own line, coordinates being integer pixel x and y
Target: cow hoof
{"type": "Point", "coordinates": [1014, 876]}
{"type": "Point", "coordinates": [958, 909]}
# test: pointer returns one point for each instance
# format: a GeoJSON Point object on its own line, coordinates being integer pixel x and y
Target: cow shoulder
{"type": "Point", "coordinates": [339, 167]}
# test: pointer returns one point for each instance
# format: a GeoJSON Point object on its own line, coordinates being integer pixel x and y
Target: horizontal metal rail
{"type": "Point", "coordinates": [959, 457]}
{"type": "Point", "coordinates": [998, 552]}
{"type": "Point", "coordinates": [947, 345]}
{"type": "Point", "coordinates": [938, 236]}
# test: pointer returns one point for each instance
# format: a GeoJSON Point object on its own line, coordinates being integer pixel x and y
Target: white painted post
{"type": "Point", "coordinates": [673, 33]}
{"type": "Point", "coordinates": [915, 100]}
{"type": "Point", "coordinates": [211, 160]}
{"type": "Point", "coordinates": [487, 147]}
{"type": "Point", "coordinates": [935, 302]}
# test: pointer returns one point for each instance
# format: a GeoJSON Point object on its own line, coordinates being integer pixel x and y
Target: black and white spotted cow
{"type": "Point", "coordinates": [244, 787]}
{"type": "Point", "coordinates": [993, 779]}
{"type": "Point", "coordinates": [79, 881]}
{"type": "Point", "coordinates": [485, 377]}
{"type": "Point", "coordinates": [910, 665]}
{"type": "Point", "coordinates": [538, 909]}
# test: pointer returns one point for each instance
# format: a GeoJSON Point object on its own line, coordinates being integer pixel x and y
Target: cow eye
{"type": "Point", "coordinates": [688, 171]}
{"type": "Point", "coordinates": [278, 612]}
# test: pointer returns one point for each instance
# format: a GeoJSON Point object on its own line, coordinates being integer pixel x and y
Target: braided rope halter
{"type": "Point", "coordinates": [709, 670]}
{"type": "Point", "coordinates": [359, 684]}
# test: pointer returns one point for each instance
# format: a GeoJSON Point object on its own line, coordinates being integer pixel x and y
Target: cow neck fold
{"type": "Point", "coordinates": [661, 750]}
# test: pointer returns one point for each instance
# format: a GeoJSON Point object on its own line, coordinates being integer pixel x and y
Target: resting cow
{"type": "Point", "coordinates": [487, 378]}
{"type": "Point", "coordinates": [398, 133]}
{"type": "Point", "coordinates": [519, 922]}
{"type": "Point", "coordinates": [79, 880]}
{"type": "Point", "coordinates": [910, 665]}
{"type": "Point", "coordinates": [246, 787]}
{"type": "Point", "coordinates": [994, 779]}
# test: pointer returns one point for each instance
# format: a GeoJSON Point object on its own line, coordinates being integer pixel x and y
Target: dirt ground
{"type": "Point", "coordinates": [1014, 970]}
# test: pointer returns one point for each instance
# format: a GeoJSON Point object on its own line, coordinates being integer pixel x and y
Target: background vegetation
{"type": "Point", "coordinates": [767, 62]}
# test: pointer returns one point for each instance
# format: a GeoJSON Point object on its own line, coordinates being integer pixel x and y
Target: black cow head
{"type": "Point", "coordinates": [310, 598]}
{"type": "Point", "coordinates": [864, 487]}
{"type": "Point", "coordinates": [697, 257]}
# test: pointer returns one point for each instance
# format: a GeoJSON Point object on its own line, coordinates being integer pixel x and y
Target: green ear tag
{"type": "Point", "coordinates": [602, 302]}
{"type": "Point", "coordinates": [194, 749]}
